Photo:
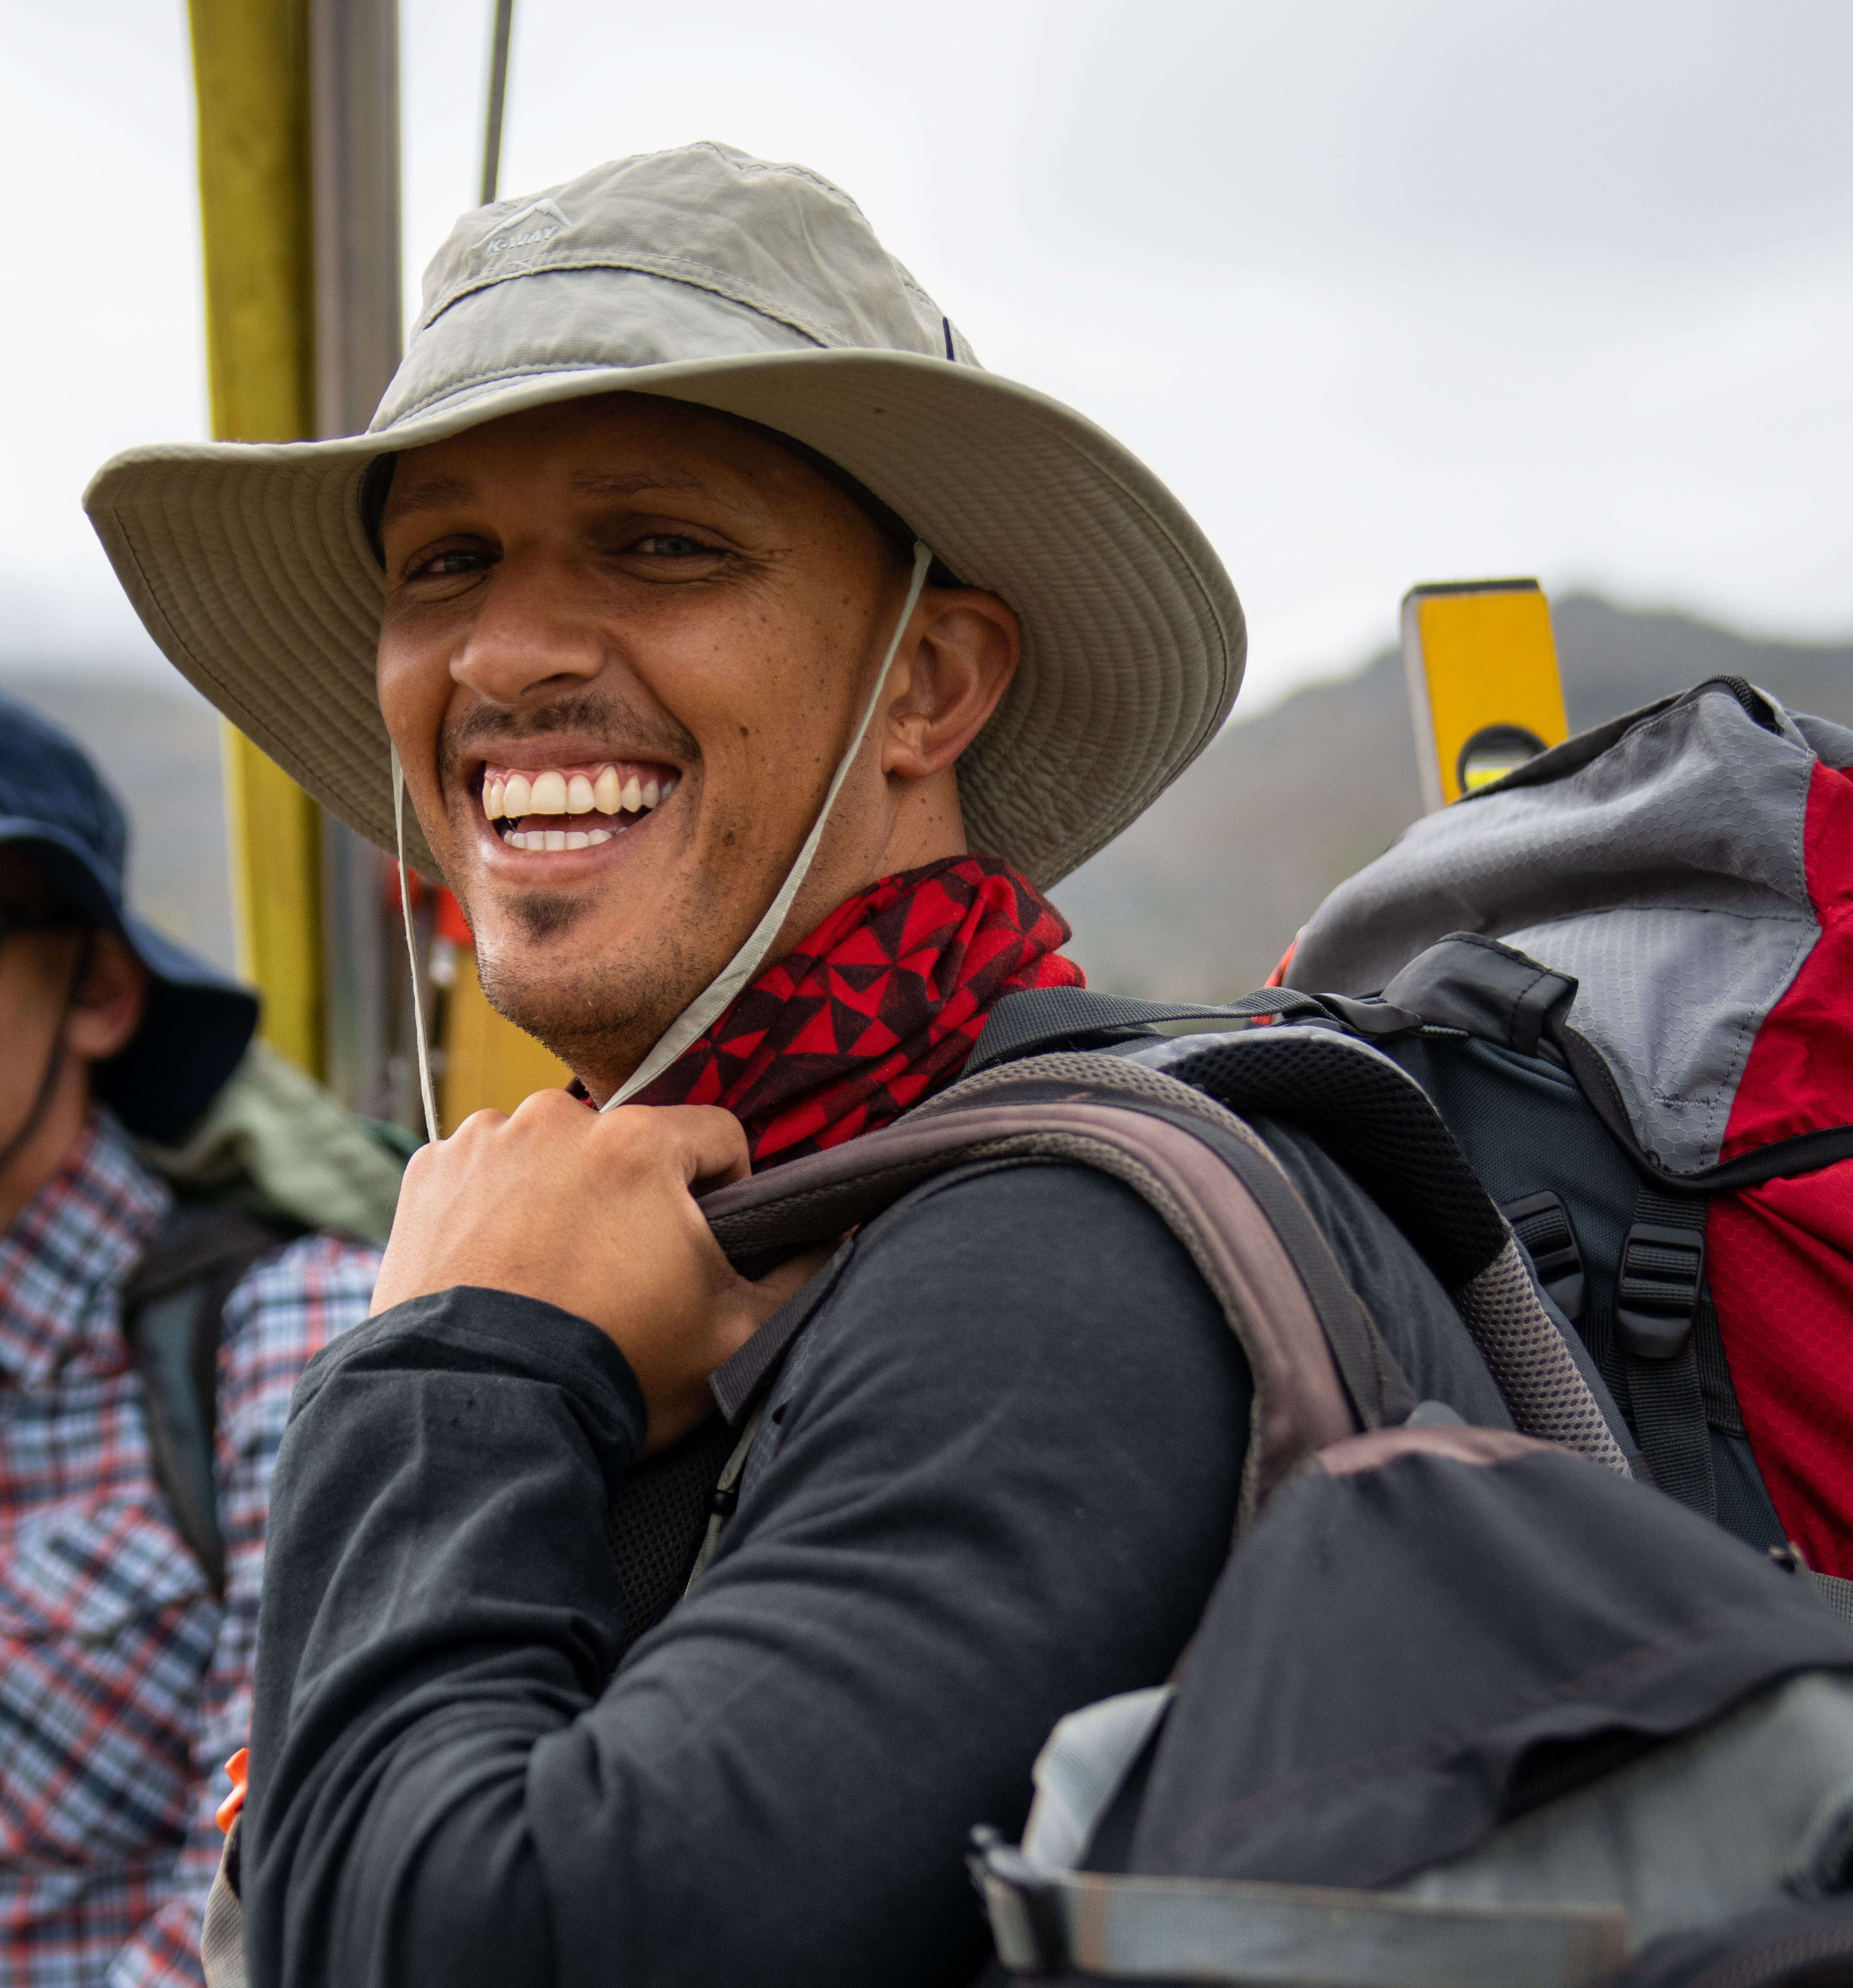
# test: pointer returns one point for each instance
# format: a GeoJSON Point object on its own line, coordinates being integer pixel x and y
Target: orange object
{"type": "Point", "coordinates": [226, 1814]}
{"type": "Point", "coordinates": [1278, 977]}
{"type": "Point", "coordinates": [451, 923]}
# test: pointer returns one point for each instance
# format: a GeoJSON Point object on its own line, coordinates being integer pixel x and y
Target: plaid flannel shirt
{"type": "Point", "coordinates": [124, 1681]}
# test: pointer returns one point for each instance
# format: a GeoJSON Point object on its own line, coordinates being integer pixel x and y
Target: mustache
{"type": "Point", "coordinates": [631, 734]}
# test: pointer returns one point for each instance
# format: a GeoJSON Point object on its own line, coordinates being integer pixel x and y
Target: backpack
{"type": "Point", "coordinates": [173, 1314]}
{"type": "Point", "coordinates": [1447, 1670]}
{"type": "Point", "coordinates": [1164, 1117]}
{"type": "Point", "coordinates": [1618, 972]}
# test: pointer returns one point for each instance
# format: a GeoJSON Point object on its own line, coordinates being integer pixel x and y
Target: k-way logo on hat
{"type": "Point", "coordinates": [547, 213]}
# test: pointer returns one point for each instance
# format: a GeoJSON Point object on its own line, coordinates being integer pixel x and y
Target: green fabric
{"type": "Point", "coordinates": [274, 1137]}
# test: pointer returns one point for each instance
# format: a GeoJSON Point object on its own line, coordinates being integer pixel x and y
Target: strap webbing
{"type": "Point", "coordinates": [1659, 1285]}
{"type": "Point", "coordinates": [172, 1313]}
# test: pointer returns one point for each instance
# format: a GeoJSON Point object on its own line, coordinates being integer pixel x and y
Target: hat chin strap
{"type": "Point", "coordinates": [425, 1092]}
{"type": "Point", "coordinates": [709, 1005]}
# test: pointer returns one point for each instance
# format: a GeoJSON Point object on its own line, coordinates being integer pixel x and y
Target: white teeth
{"type": "Point", "coordinates": [539, 839]}
{"type": "Point", "coordinates": [515, 796]}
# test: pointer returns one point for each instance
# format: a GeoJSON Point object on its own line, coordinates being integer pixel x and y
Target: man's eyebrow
{"type": "Point", "coordinates": [633, 482]}
{"type": "Point", "coordinates": [432, 495]}
{"type": "Point", "coordinates": [436, 493]}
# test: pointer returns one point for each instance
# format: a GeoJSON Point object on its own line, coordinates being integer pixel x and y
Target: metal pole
{"type": "Point", "coordinates": [250, 64]}
{"type": "Point", "coordinates": [354, 121]}
{"type": "Point", "coordinates": [354, 124]}
{"type": "Point", "coordinates": [498, 90]}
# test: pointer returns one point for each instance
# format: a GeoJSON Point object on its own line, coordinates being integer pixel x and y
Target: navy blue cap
{"type": "Point", "coordinates": [55, 809]}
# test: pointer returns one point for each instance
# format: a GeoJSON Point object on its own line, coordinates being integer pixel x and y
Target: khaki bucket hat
{"type": "Point", "coordinates": [705, 275]}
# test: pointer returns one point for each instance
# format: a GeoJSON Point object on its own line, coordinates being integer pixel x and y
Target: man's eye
{"type": "Point", "coordinates": [671, 545]}
{"type": "Point", "coordinates": [447, 566]}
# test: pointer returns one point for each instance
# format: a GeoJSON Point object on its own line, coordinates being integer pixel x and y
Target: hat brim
{"type": "Point", "coordinates": [248, 564]}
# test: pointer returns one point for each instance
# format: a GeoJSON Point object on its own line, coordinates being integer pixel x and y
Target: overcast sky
{"type": "Point", "coordinates": [1388, 290]}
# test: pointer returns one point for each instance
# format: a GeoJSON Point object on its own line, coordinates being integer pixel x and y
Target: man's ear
{"type": "Point", "coordinates": [962, 661]}
{"type": "Point", "coordinates": [106, 1010]}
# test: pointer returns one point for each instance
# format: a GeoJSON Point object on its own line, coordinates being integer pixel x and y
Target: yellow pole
{"type": "Point", "coordinates": [250, 73]}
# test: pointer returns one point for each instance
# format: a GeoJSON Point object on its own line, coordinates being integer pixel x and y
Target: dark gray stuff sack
{"type": "Point", "coordinates": [1465, 1711]}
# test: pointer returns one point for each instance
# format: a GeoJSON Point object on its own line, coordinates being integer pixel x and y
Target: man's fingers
{"type": "Point", "coordinates": [709, 1144]}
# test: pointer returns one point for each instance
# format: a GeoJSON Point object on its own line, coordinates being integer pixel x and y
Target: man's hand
{"type": "Point", "coordinates": [593, 1212]}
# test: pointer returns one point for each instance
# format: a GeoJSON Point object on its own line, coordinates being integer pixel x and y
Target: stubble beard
{"type": "Point", "coordinates": [601, 1018]}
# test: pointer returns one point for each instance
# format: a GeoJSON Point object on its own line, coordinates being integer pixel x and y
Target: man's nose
{"type": "Point", "coordinates": [531, 636]}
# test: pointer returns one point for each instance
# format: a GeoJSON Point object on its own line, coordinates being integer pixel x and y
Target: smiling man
{"type": "Point", "coordinates": [753, 659]}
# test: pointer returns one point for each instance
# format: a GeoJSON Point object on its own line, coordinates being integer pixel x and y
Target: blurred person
{"type": "Point", "coordinates": [132, 1515]}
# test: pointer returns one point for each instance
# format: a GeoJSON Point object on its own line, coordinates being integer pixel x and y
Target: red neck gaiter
{"type": "Point", "coordinates": [877, 1008]}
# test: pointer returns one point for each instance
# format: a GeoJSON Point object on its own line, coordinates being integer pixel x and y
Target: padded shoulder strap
{"type": "Point", "coordinates": [172, 1313]}
{"type": "Point", "coordinates": [1319, 1369]}
{"type": "Point", "coordinates": [1381, 1126]}
{"type": "Point", "coordinates": [1041, 1018]}
{"type": "Point", "coordinates": [1318, 1363]}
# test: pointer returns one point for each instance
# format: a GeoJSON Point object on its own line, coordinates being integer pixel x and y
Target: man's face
{"type": "Point", "coordinates": [641, 632]}
{"type": "Point", "coordinates": [36, 969]}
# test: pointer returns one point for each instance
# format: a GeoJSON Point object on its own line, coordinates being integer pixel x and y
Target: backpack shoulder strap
{"type": "Point", "coordinates": [1319, 1369]}
{"type": "Point", "coordinates": [1379, 1123]}
{"type": "Point", "coordinates": [1040, 1020]}
{"type": "Point", "coordinates": [1174, 1136]}
{"type": "Point", "coordinates": [1090, 1116]}
{"type": "Point", "coordinates": [172, 1308]}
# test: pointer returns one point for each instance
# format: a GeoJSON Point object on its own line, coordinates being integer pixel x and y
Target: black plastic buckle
{"type": "Point", "coordinates": [1542, 1223]}
{"type": "Point", "coordinates": [1663, 1272]}
{"type": "Point", "coordinates": [994, 1862]}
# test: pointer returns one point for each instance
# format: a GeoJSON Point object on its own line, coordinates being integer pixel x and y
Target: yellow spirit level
{"type": "Point", "coordinates": [1483, 685]}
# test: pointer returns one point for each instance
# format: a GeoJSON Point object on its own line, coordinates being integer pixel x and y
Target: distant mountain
{"type": "Point", "coordinates": [1200, 897]}
{"type": "Point", "coordinates": [1196, 900]}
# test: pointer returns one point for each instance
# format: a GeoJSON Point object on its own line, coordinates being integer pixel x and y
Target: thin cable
{"type": "Point", "coordinates": [425, 1091]}
{"type": "Point", "coordinates": [498, 91]}
{"type": "Point", "coordinates": [706, 1006]}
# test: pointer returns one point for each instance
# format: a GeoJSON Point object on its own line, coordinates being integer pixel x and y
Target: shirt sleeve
{"type": "Point", "coordinates": [1000, 1483]}
{"type": "Point", "coordinates": [279, 1315]}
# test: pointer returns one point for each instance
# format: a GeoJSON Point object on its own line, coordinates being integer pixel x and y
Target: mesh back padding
{"type": "Point", "coordinates": [1373, 1119]}
{"type": "Point", "coordinates": [658, 1519]}
{"type": "Point", "coordinates": [1542, 1385]}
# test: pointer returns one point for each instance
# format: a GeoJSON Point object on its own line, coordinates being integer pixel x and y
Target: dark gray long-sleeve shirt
{"type": "Point", "coordinates": [996, 1481]}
